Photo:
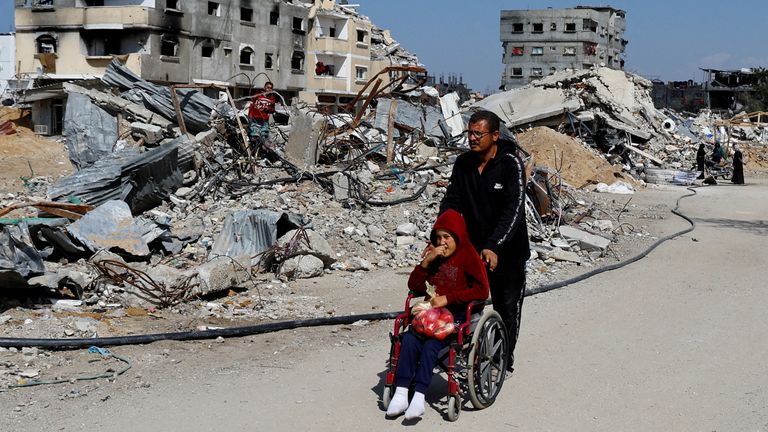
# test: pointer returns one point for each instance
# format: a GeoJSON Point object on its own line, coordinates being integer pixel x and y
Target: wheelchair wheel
{"type": "Point", "coordinates": [454, 407]}
{"type": "Point", "coordinates": [386, 396]}
{"type": "Point", "coordinates": [487, 360]}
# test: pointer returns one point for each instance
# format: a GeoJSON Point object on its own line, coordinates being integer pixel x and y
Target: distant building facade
{"type": "Point", "coordinates": [537, 43]}
{"type": "Point", "coordinates": [7, 59]}
{"type": "Point", "coordinates": [239, 44]}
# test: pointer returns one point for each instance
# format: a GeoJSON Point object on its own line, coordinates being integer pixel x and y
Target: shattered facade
{"type": "Point", "coordinates": [238, 44]}
{"type": "Point", "coordinates": [537, 43]}
{"type": "Point", "coordinates": [725, 88]}
{"type": "Point", "coordinates": [7, 59]}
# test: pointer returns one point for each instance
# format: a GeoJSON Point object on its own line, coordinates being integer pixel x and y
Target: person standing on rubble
{"type": "Point", "coordinates": [487, 187]}
{"type": "Point", "coordinates": [262, 105]}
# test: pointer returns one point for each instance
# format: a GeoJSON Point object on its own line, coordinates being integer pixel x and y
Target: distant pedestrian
{"type": "Point", "coordinates": [701, 156]}
{"type": "Point", "coordinates": [717, 154]}
{"type": "Point", "coordinates": [738, 165]}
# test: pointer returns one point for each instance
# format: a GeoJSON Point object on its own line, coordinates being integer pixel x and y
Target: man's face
{"type": "Point", "coordinates": [480, 139]}
{"type": "Point", "coordinates": [268, 88]}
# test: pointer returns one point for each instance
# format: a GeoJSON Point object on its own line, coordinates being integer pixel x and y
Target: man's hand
{"type": "Point", "coordinates": [489, 258]}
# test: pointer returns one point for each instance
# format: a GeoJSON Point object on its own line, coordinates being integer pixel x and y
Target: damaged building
{"type": "Point", "coordinates": [237, 44]}
{"type": "Point", "coordinates": [537, 43]}
{"type": "Point", "coordinates": [726, 89]}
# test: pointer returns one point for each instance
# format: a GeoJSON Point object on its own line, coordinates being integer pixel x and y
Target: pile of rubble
{"type": "Point", "coordinates": [171, 202]}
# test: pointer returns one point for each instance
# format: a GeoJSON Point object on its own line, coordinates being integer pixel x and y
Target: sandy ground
{"type": "Point", "coordinates": [24, 155]}
{"type": "Point", "coordinates": [675, 341]}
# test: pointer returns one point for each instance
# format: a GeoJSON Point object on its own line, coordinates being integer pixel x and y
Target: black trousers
{"type": "Point", "coordinates": [507, 290]}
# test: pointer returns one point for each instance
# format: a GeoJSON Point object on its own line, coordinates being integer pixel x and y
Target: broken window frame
{"type": "Point", "coordinates": [46, 44]}
{"type": "Point", "coordinates": [169, 44]}
{"type": "Point", "coordinates": [214, 8]}
{"type": "Point", "coordinates": [274, 17]}
{"type": "Point", "coordinates": [569, 51]}
{"type": "Point", "coordinates": [172, 5]}
{"type": "Point", "coordinates": [361, 77]}
{"type": "Point", "coordinates": [537, 72]}
{"type": "Point", "coordinates": [246, 15]}
{"type": "Point", "coordinates": [537, 51]}
{"type": "Point", "coordinates": [207, 47]}
{"type": "Point", "coordinates": [269, 61]}
{"type": "Point", "coordinates": [517, 51]}
{"type": "Point", "coordinates": [517, 27]}
{"type": "Point", "coordinates": [297, 62]}
{"type": "Point", "coordinates": [248, 51]}
{"type": "Point", "coordinates": [553, 26]}
{"type": "Point", "coordinates": [362, 37]}
{"type": "Point", "coordinates": [517, 72]}
{"type": "Point", "coordinates": [570, 27]}
{"type": "Point", "coordinates": [298, 29]}
{"type": "Point", "coordinates": [537, 28]}
{"type": "Point", "coordinates": [588, 24]}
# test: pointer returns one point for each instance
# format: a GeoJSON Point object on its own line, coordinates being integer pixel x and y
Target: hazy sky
{"type": "Point", "coordinates": [668, 39]}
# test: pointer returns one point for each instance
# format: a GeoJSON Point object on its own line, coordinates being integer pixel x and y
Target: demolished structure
{"type": "Point", "coordinates": [238, 45]}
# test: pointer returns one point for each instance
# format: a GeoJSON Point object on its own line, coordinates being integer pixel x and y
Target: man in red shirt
{"type": "Point", "coordinates": [262, 105]}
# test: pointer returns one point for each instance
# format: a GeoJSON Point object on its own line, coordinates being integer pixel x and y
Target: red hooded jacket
{"type": "Point", "coordinates": [460, 277]}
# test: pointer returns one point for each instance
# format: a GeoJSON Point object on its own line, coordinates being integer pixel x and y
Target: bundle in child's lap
{"type": "Point", "coordinates": [432, 322]}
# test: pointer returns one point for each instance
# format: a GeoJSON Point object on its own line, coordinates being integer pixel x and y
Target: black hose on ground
{"type": "Point", "coordinates": [314, 322]}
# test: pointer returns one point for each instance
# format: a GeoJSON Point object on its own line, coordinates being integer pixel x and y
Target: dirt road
{"type": "Point", "coordinates": [674, 342]}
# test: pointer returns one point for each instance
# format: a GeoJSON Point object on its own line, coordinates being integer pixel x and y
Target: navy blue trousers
{"type": "Point", "coordinates": [418, 355]}
{"type": "Point", "coordinates": [418, 358]}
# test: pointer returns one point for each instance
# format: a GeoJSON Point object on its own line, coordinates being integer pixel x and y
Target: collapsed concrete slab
{"type": "Point", "coordinates": [585, 240]}
{"type": "Point", "coordinates": [306, 129]}
{"type": "Point", "coordinates": [529, 104]}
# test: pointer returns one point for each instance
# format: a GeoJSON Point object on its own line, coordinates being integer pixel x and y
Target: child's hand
{"type": "Point", "coordinates": [431, 253]}
{"type": "Point", "coordinates": [439, 301]}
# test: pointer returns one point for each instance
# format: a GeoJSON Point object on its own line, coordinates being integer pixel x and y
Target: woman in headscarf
{"type": "Point", "coordinates": [738, 165]}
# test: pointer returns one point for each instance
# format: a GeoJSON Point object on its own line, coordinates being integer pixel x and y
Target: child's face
{"type": "Point", "coordinates": [446, 240]}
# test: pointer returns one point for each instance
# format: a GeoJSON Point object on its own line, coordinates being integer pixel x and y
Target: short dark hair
{"type": "Point", "coordinates": [492, 120]}
{"type": "Point", "coordinates": [269, 83]}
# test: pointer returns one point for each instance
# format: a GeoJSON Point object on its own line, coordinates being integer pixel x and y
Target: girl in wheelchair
{"type": "Point", "coordinates": [452, 265]}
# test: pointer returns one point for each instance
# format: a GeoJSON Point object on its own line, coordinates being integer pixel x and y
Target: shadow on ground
{"type": "Point", "coordinates": [755, 227]}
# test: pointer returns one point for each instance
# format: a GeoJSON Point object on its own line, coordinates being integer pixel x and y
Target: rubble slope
{"type": "Point", "coordinates": [578, 165]}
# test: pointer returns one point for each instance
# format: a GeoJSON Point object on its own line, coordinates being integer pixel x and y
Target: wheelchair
{"type": "Point", "coordinates": [475, 359]}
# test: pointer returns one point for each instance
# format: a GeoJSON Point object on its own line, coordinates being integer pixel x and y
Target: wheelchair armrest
{"type": "Point", "coordinates": [475, 306]}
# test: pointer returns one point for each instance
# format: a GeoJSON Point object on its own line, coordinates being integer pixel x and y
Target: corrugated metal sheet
{"type": "Point", "coordinates": [251, 232]}
{"type": "Point", "coordinates": [195, 106]}
{"type": "Point", "coordinates": [19, 259]}
{"type": "Point", "coordinates": [143, 180]}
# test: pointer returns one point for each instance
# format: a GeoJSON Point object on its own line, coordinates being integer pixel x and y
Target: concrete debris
{"type": "Point", "coordinates": [584, 239]}
{"type": "Point", "coordinates": [301, 267]}
{"type": "Point", "coordinates": [618, 187]}
{"type": "Point", "coordinates": [178, 216]}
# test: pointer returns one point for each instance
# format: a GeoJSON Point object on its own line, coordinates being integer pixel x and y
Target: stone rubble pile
{"type": "Point", "coordinates": [167, 219]}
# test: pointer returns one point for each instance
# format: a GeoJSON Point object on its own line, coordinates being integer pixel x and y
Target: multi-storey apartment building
{"type": "Point", "coordinates": [537, 43]}
{"type": "Point", "coordinates": [236, 43]}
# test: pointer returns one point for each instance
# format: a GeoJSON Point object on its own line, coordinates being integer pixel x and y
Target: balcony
{"type": "Point", "coordinates": [88, 18]}
{"type": "Point", "coordinates": [330, 45]}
